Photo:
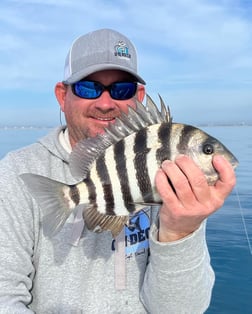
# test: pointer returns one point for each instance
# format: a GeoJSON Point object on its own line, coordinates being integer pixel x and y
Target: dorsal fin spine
{"type": "Point", "coordinates": [87, 151]}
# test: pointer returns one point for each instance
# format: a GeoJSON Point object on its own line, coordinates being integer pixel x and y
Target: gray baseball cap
{"type": "Point", "coordinates": [103, 49]}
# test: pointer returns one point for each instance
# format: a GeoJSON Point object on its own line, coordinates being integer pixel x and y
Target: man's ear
{"type": "Point", "coordinates": [140, 93]}
{"type": "Point", "coordinates": [60, 91]}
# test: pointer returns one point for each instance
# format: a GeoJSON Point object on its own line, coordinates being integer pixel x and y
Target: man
{"type": "Point", "coordinates": [164, 266]}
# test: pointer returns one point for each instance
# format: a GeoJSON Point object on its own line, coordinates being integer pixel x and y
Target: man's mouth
{"type": "Point", "coordinates": [104, 119]}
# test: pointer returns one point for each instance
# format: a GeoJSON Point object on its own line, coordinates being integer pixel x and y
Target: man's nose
{"type": "Point", "coordinates": [105, 103]}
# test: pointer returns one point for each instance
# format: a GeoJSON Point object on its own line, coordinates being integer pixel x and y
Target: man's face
{"type": "Point", "coordinates": [88, 117]}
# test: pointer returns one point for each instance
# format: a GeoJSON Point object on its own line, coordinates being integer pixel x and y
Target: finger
{"type": "Point", "coordinates": [195, 177]}
{"type": "Point", "coordinates": [180, 183]}
{"type": "Point", "coordinates": [165, 189]}
{"type": "Point", "coordinates": [227, 178]}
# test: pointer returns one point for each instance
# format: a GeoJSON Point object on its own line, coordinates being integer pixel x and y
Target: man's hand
{"type": "Point", "coordinates": [192, 200]}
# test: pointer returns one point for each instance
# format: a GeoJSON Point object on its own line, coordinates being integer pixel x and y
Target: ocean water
{"type": "Point", "coordinates": [229, 230]}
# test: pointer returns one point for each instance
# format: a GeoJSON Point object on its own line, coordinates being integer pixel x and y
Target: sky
{"type": "Point", "coordinates": [197, 54]}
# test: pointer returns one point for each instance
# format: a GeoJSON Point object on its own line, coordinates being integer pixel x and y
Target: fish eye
{"type": "Point", "coordinates": [208, 149]}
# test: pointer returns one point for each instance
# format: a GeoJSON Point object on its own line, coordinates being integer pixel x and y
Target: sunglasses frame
{"type": "Point", "coordinates": [104, 88]}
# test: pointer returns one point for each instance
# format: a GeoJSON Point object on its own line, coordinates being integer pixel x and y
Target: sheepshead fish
{"type": "Point", "coordinates": [116, 170]}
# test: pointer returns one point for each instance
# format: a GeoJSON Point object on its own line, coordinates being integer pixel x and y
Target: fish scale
{"type": "Point", "coordinates": [117, 169]}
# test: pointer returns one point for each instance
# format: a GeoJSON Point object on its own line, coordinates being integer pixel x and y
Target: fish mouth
{"type": "Point", "coordinates": [234, 162]}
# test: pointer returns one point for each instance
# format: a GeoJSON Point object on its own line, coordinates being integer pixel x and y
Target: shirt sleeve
{"type": "Point", "coordinates": [179, 277]}
{"type": "Point", "coordinates": [17, 244]}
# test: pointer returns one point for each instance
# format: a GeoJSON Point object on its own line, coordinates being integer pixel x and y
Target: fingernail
{"type": "Point", "coordinates": [180, 156]}
{"type": "Point", "coordinates": [218, 158]}
{"type": "Point", "coordinates": [166, 162]}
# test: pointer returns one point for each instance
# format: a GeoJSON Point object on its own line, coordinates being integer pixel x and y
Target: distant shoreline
{"type": "Point", "coordinates": [218, 124]}
{"type": "Point", "coordinates": [7, 127]}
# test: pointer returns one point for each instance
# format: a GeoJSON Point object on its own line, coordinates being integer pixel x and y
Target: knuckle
{"type": "Point", "coordinates": [180, 183]}
{"type": "Point", "coordinates": [199, 181]}
{"type": "Point", "coordinates": [232, 182]}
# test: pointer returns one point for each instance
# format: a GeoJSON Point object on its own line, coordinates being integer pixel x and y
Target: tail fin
{"type": "Point", "coordinates": [50, 196]}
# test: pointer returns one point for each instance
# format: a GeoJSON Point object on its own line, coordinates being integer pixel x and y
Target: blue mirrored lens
{"type": "Point", "coordinates": [87, 89]}
{"type": "Point", "coordinates": [123, 90]}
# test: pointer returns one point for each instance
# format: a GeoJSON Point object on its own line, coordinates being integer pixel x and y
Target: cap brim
{"type": "Point", "coordinates": [101, 67]}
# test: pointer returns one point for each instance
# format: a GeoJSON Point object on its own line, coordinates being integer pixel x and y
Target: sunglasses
{"type": "Point", "coordinates": [92, 90]}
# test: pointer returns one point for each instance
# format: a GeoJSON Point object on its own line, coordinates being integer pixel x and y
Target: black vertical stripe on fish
{"type": "Point", "coordinates": [120, 160]}
{"type": "Point", "coordinates": [91, 189]}
{"type": "Point", "coordinates": [74, 194]}
{"type": "Point", "coordinates": [184, 138]}
{"type": "Point", "coordinates": [140, 162]}
{"type": "Point", "coordinates": [103, 174]}
{"type": "Point", "coordinates": [164, 137]}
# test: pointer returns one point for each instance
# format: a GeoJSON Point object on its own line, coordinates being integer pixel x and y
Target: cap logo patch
{"type": "Point", "coordinates": [121, 50]}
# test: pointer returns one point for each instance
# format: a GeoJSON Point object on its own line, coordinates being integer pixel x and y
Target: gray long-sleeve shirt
{"type": "Point", "coordinates": [50, 275]}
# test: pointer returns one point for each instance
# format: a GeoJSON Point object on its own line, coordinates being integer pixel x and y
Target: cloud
{"type": "Point", "coordinates": [186, 47]}
{"type": "Point", "coordinates": [185, 36]}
